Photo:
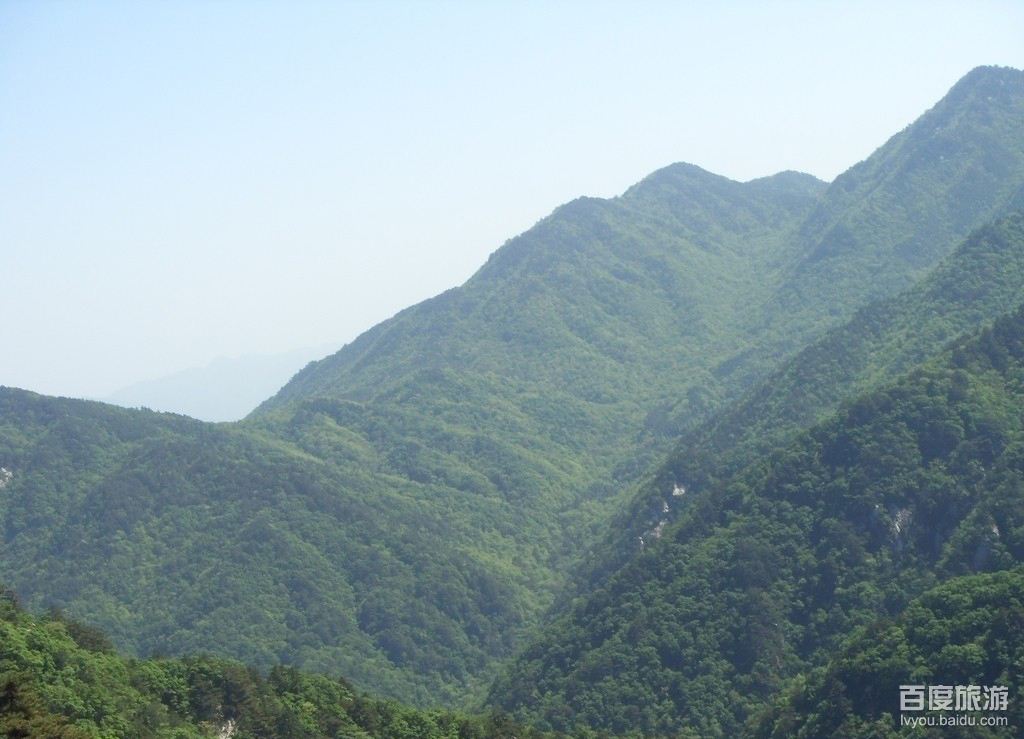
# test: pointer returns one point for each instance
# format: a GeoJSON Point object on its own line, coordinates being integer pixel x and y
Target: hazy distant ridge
{"type": "Point", "coordinates": [227, 389]}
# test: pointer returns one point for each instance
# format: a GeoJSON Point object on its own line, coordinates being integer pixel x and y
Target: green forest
{"type": "Point", "coordinates": [706, 459]}
{"type": "Point", "coordinates": [760, 575]}
{"type": "Point", "coordinates": [63, 680]}
{"type": "Point", "coordinates": [967, 631]}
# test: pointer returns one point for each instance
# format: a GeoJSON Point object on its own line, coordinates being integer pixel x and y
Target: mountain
{"type": "Point", "coordinates": [407, 533]}
{"type": "Point", "coordinates": [968, 631]}
{"type": "Point", "coordinates": [982, 279]}
{"type": "Point", "coordinates": [763, 575]}
{"type": "Point", "coordinates": [885, 222]}
{"type": "Point", "coordinates": [182, 537]}
{"type": "Point", "coordinates": [598, 302]}
{"type": "Point", "coordinates": [406, 510]}
{"type": "Point", "coordinates": [227, 389]}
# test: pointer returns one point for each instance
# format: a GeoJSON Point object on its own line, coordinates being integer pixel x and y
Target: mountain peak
{"type": "Point", "coordinates": [990, 76]}
{"type": "Point", "coordinates": [686, 178]}
{"type": "Point", "coordinates": [788, 181]}
{"type": "Point", "coordinates": [981, 89]}
{"type": "Point", "coordinates": [677, 178]}
{"type": "Point", "coordinates": [788, 176]}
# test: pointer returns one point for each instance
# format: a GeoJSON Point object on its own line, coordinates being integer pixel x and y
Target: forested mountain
{"type": "Point", "coordinates": [749, 270]}
{"type": "Point", "coordinates": [886, 221]}
{"type": "Point", "coordinates": [981, 280]}
{"type": "Point", "coordinates": [404, 511]}
{"type": "Point", "coordinates": [763, 574]}
{"type": "Point", "coordinates": [406, 534]}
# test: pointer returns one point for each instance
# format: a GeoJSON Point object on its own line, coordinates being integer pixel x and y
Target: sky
{"type": "Point", "coordinates": [192, 180]}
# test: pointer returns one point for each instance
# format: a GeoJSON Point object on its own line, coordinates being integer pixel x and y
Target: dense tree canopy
{"type": "Point", "coordinates": [762, 575]}
{"type": "Point", "coordinates": [62, 680]}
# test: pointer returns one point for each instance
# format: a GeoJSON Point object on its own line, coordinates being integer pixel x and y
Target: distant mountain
{"type": "Point", "coordinates": [762, 575]}
{"type": "Point", "coordinates": [227, 389]}
{"type": "Point", "coordinates": [407, 509]}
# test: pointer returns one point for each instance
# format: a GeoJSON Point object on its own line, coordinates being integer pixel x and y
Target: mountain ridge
{"type": "Point", "coordinates": [980, 280]}
{"type": "Point", "coordinates": [958, 147]}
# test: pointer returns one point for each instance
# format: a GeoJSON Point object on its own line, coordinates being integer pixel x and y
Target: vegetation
{"type": "Point", "coordinates": [961, 161]}
{"type": "Point", "coordinates": [763, 575]}
{"type": "Point", "coordinates": [62, 680]}
{"type": "Point", "coordinates": [967, 631]}
{"type": "Point", "coordinates": [981, 280]}
{"type": "Point", "coordinates": [405, 525]}
{"type": "Point", "coordinates": [407, 510]}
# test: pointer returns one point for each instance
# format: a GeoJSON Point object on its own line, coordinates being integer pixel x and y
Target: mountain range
{"type": "Point", "coordinates": [647, 470]}
{"type": "Point", "coordinates": [226, 389]}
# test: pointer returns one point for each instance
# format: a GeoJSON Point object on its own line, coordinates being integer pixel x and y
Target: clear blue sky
{"type": "Point", "coordinates": [181, 181]}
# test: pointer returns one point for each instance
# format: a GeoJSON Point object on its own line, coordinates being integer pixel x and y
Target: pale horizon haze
{"type": "Point", "coordinates": [186, 181]}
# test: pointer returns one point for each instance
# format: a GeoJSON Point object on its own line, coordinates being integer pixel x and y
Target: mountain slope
{"type": "Point", "coordinates": [968, 631]}
{"type": "Point", "coordinates": [884, 222]}
{"type": "Point", "coordinates": [760, 577]}
{"type": "Point", "coordinates": [182, 537]}
{"type": "Point", "coordinates": [406, 534]}
{"type": "Point", "coordinates": [981, 280]}
{"type": "Point", "coordinates": [598, 301]}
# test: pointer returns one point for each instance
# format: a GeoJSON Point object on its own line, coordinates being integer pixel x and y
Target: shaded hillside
{"type": "Point", "coordinates": [968, 631]}
{"type": "Point", "coordinates": [760, 578]}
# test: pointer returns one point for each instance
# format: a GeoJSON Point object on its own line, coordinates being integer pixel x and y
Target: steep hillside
{"type": "Point", "coordinates": [574, 331]}
{"type": "Point", "coordinates": [968, 631]}
{"type": "Point", "coordinates": [628, 287]}
{"type": "Point", "coordinates": [884, 222]}
{"type": "Point", "coordinates": [981, 280]}
{"type": "Point", "coordinates": [609, 285]}
{"type": "Point", "coordinates": [761, 577]}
